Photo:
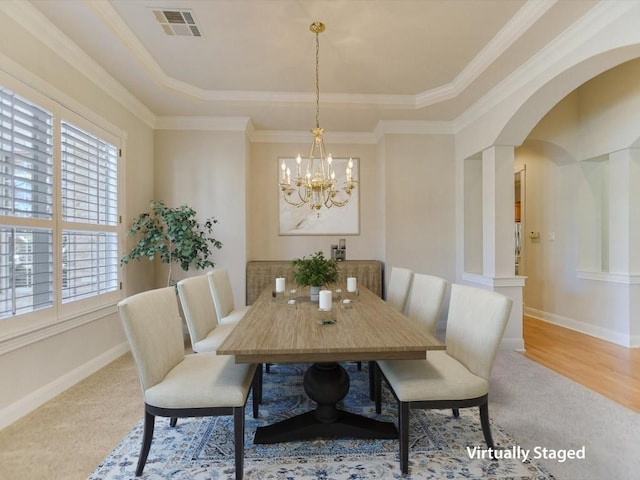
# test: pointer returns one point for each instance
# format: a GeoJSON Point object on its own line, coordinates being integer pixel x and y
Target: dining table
{"type": "Point", "coordinates": [292, 329]}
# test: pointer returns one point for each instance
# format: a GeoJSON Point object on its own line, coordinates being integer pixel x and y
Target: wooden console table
{"type": "Point", "coordinates": [261, 274]}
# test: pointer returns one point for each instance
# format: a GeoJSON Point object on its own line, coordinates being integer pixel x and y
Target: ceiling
{"type": "Point", "coordinates": [380, 60]}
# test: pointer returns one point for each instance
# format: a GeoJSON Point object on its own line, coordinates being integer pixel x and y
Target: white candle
{"type": "Point", "coordinates": [325, 300]}
{"type": "Point", "coordinates": [352, 284]}
{"type": "Point", "coordinates": [279, 284]}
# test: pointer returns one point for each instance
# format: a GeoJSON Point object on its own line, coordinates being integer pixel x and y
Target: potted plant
{"type": "Point", "coordinates": [175, 235]}
{"type": "Point", "coordinates": [315, 272]}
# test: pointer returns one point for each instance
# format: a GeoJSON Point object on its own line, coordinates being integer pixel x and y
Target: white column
{"type": "Point", "coordinates": [498, 212]}
{"type": "Point", "coordinates": [498, 238]}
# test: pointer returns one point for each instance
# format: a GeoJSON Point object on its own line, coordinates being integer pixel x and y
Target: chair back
{"type": "Point", "coordinates": [475, 325]}
{"type": "Point", "coordinates": [197, 305]}
{"type": "Point", "coordinates": [221, 290]}
{"type": "Point", "coordinates": [153, 327]}
{"type": "Point", "coordinates": [399, 287]}
{"type": "Point", "coordinates": [426, 299]}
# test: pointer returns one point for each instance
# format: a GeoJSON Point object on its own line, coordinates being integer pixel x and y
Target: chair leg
{"type": "Point", "coordinates": [238, 430]}
{"type": "Point", "coordinates": [377, 388]}
{"type": "Point", "coordinates": [403, 427]}
{"type": "Point", "coordinates": [486, 429]}
{"type": "Point", "coordinates": [257, 391]}
{"type": "Point", "coordinates": [372, 379]}
{"type": "Point", "coordinates": [173, 422]}
{"type": "Point", "coordinates": [149, 423]}
{"type": "Point", "coordinates": [456, 412]}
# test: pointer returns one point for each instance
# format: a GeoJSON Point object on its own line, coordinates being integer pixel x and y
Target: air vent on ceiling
{"type": "Point", "coordinates": [177, 22]}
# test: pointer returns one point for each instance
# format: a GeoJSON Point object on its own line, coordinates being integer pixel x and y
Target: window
{"type": "Point", "coordinates": [58, 208]}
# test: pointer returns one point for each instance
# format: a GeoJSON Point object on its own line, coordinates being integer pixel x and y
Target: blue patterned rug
{"type": "Point", "coordinates": [202, 448]}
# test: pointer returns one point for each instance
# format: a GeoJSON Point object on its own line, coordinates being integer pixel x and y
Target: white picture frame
{"type": "Point", "coordinates": [327, 221]}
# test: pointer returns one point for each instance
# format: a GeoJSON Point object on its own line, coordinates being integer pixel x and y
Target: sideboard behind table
{"type": "Point", "coordinates": [262, 273]}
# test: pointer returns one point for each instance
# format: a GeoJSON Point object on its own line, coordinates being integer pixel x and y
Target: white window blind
{"type": "Point", "coordinates": [26, 195]}
{"type": "Point", "coordinates": [58, 210]}
{"type": "Point", "coordinates": [90, 202]}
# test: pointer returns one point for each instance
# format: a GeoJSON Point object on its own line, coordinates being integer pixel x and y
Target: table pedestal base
{"type": "Point", "coordinates": [326, 384]}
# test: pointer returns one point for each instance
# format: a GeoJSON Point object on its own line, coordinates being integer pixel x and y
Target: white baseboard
{"type": "Point", "coordinates": [515, 343]}
{"type": "Point", "coordinates": [27, 404]}
{"type": "Point", "coordinates": [602, 333]}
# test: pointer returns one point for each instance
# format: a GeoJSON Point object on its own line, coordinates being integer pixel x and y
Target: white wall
{"type": "Point", "coordinates": [207, 171]}
{"type": "Point", "coordinates": [37, 366]}
{"type": "Point", "coordinates": [419, 188]}
{"type": "Point", "coordinates": [567, 202]}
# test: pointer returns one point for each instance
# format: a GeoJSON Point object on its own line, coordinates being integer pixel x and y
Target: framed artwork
{"type": "Point", "coordinates": [326, 221]}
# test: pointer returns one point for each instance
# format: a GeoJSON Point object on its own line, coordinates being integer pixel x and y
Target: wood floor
{"type": "Point", "coordinates": [609, 369]}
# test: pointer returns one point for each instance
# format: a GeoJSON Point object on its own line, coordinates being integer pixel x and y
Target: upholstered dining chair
{"type": "Point", "coordinates": [455, 378]}
{"type": "Point", "coordinates": [425, 304]}
{"type": "Point", "coordinates": [200, 314]}
{"type": "Point", "coordinates": [176, 385]}
{"type": "Point", "coordinates": [399, 288]}
{"type": "Point", "coordinates": [205, 332]}
{"type": "Point", "coordinates": [426, 299]}
{"type": "Point", "coordinates": [222, 293]}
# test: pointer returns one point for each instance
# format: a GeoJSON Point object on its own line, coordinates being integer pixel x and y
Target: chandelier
{"type": "Point", "coordinates": [317, 187]}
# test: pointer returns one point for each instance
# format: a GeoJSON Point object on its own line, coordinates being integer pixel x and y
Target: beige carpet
{"type": "Point", "coordinates": [69, 436]}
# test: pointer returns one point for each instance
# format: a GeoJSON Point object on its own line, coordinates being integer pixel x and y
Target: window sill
{"type": "Point", "coordinates": [16, 339]}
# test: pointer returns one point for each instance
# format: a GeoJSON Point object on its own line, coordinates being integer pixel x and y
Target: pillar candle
{"type": "Point", "coordinates": [352, 284]}
{"type": "Point", "coordinates": [325, 300]}
{"type": "Point", "coordinates": [279, 284]}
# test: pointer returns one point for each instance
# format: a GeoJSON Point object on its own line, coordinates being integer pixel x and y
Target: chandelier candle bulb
{"type": "Point", "coordinates": [325, 300]}
{"type": "Point", "coordinates": [352, 284]}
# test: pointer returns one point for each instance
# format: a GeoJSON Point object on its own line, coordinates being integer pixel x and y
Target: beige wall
{"type": "Point", "coordinates": [207, 171]}
{"type": "Point", "coordinates": [567, 202]}
{"type": "Point", "coordinates": [36, 368]}
{"type": "Point", "coordinates": [420, 201]}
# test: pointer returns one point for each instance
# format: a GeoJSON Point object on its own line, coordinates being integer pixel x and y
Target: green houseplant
{"type": "Point", "coordinates": [315, 272]}
{"type": "Point", "coordinates": [175, 235]}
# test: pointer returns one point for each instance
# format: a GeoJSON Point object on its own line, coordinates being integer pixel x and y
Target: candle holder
{"type": "Point", "coordinates": [346, 304]}
{"type": "Point", "coordinates": [327, 316]}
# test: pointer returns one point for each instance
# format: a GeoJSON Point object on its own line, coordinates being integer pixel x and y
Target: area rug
{"type": "Point", "coordinates": [441, 446]}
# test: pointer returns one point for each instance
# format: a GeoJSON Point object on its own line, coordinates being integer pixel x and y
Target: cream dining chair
{"type": "Point", "coordinates": [426, 299]}
{"type": "Point", "coordinates": [200, 314]}
{"type": "Point", "coordinates": [205, 332]}
{"type": "Point", "coordinates": [176, 385]}
{"type": "Point", "coordinates": [399, 288]}
{"type": "Point", "coordinates": [455, 378]}
{"type": "Point", "coordinates": [222, 293]}
{"type": "Point", "coordinates": [425, 304]}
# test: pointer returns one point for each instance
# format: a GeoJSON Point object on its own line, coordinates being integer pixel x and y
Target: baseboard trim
{"type": "Point", "coordinates": [596, 331]}
{"type": "Point", "coordinates": [516, 344]}
{"type": "Point", "coordinates": [27, 404]}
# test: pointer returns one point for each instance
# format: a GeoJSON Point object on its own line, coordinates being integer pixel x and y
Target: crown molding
{"type": "Point", "coordinates": [531, 12]}
{"type": "Point", "coordinates": [519, 24]}
{"type": "Point", "coordinates": [40, 27]}
{"type": "Point", "coordinates": [277, 136]}
{"type": "Point", "coordinates": [222, 124]}
{"type": "Point", "coordinates": [545, 63]}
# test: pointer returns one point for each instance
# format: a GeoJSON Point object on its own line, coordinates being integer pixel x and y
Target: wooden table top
{"type": "Point", "coordinates": [273, 332]}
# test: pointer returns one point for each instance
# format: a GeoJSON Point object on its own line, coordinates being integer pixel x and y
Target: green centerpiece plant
{"type": "Point", "coordinates": [315, 272]}
{"type": "Point", "coordinates": [175, 235]}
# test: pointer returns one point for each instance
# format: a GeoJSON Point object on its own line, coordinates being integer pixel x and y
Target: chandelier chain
{"type": "Point", "coordinates": [317, 81]}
